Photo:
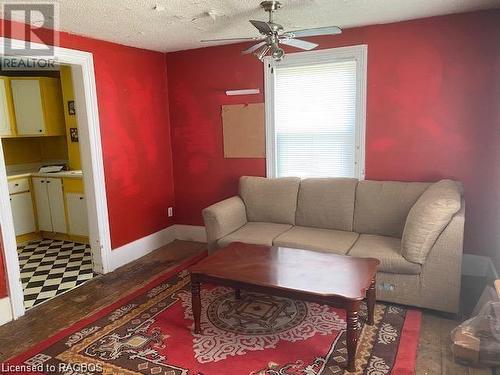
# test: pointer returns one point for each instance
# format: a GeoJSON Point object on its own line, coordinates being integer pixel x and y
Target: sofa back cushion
{"type": "Point", "coordinates": [428, 217]}
{"type": "Point", "coordinates": [381, 207]}
{"type": "Point", "coordinates": [326, 203]}
{"type": "Point", "coordinates": [270, 200]}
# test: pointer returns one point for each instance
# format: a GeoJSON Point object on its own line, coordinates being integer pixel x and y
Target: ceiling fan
{"type": "Point", "coordinates": [272, 35]}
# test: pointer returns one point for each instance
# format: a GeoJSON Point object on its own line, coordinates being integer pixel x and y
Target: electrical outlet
{"type": "Point", "coordinates": [170, 211]}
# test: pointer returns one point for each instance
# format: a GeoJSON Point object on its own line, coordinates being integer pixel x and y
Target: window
{"type": "Point", "coordinates": [315, 113]}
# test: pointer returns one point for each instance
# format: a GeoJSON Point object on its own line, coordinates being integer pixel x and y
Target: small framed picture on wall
{"type": "Point", "coordinates": [73, 133]}
{"type": "Point", "coordinates": [71, 107]}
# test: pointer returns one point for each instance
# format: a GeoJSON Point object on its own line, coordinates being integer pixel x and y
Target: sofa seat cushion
{"type": "Point", "coordinates": [327, 240]}
{"type": "Point", "coordinates": [255, 233]}
{"type": "Point", "coordinates": [387, 250]}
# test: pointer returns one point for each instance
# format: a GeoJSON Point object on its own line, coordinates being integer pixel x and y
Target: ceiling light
{"type": "Point", "coordinates": [277, 52]}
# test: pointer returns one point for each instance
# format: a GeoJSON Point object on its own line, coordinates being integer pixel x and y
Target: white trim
{"type": "Point", "coordinates": [358, 53]}
{"type": "Point", "coordinates": [477, 265]}
{"type": "Point", "coordinates": [141, 247]}
{"type": "Point", "coordinates": [9, 244]}
{"type": "Point", "coordinates": [195, 233]}
{"type": "Point", "coordinates": [88, 119]}
{"type": "Point", "coordinates": [5, 311]}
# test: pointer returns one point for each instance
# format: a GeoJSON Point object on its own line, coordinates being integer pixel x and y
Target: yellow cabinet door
{"type": "Point", "coordinates": [6, 110]}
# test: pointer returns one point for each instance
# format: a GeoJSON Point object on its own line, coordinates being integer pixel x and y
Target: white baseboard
{"type": "Point", "coordinates": [141, 247]}
{"type": "Point", "coordinates": [5, 310]}
{"type": "Point", "coordinates": [190, 233]}
{"type": "Point", "coordinates": [477, 265]}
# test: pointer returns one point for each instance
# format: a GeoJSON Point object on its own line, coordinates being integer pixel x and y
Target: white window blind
{"type": "Point", "coordinates": [315, 109]}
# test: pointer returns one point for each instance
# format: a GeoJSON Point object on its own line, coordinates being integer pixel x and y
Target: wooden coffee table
{"type": "Point", "coordinates": [330, 279]}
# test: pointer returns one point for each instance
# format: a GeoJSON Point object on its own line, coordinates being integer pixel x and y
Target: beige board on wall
{"type": "Point", "coordinates": [244, 130]}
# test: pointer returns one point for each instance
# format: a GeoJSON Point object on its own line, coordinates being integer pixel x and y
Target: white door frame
{"type": "Point", "coordinates": [82, 64]}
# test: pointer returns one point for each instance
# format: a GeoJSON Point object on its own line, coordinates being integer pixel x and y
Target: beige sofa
{"type": "Point", "coordinates": [415, 229]}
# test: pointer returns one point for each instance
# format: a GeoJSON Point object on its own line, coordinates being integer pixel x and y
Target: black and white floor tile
{"type": "Point", "coordinates": [51, 267]}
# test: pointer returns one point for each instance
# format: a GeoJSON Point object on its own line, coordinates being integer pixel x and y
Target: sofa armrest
{"type": "Point", "coordinates": [223, 218]}
{"type": "Point", "coordinates": [441, 272]}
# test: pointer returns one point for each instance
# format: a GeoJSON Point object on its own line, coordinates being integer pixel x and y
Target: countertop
{"type": "Point", "coordinates": [62, 174]}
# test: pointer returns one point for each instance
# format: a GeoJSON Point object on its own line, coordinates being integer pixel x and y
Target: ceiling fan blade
{"type": "Point", "coordinates": [253, 48]}
{"type": "Point", "coordinates": [297, 43]}
{"type": "Point", "coordinates": [262, 52]}
{"type": "Point", "coordinates": [263, 27]}
{"type": "Point", "coordinates": [330, 30]}
{"type": "Point", "coordinates": [230, 39]}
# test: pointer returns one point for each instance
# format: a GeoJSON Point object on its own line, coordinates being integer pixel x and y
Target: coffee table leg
{"type": "Point", "coordinates": [196, 304]}
{"type": "Point", "coordinates": [370, 301]}
{"type": "Point", "coordinates": [237, 294]}
{"type": "Point", "coordinates": [352, 335]}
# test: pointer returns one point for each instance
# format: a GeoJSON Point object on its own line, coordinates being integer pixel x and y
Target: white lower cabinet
{"type": "Point", "coordinates": [56, 201]}
{"type": "Point", "coordinates": [49, 200]}
{"type": "Point", "coordinates": [42, 204]}
{"type": "Point", "coordinates": [77, 214]}
{"type": "Point", "coordinates": [22, 213]}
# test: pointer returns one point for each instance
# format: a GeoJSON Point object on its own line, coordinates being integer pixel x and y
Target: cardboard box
{"type": "Point", "coordinates": [474, 341]}
{"type": "Point", "coordinates": [466, 346]}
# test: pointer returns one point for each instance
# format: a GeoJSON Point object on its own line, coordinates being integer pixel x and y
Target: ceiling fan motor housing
{"type": "Point", "coordinates": [270, 6]}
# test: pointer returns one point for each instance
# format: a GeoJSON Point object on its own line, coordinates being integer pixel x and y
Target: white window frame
{"type": "Point", "coordinates": [359, 53]}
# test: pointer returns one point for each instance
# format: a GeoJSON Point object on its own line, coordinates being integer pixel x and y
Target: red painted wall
{"type": "Point", "coordinates": [431, 113]}
{"type": "Point", "coordinates": [134, 120]}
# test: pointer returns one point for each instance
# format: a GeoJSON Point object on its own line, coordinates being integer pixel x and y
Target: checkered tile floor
{"type": "Point", "coordinates": [50, 267]}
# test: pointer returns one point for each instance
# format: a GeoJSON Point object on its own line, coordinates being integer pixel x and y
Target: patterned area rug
{"type": "Point", "coordinates": [151, 332]}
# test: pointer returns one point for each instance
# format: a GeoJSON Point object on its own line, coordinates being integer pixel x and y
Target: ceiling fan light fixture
{"type": "Point", "coordinates": [277, 52]}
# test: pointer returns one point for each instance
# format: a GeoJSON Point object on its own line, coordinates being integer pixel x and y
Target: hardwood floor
{"type": "Point", "coordinates": [50, 317]}
{"type": "Point", "coordinates": [434, 350]}
{"type": "Point", "coordinates": [434, 356]}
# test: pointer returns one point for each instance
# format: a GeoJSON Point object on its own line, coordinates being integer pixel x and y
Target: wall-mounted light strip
{"type": "Point", "coordinates": [242, 92]}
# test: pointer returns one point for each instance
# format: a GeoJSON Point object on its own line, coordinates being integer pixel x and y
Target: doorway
{"type": "Point", "coordinates": [92, 198]}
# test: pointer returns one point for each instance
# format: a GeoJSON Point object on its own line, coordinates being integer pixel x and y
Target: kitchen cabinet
{"type": "Point", "coordinates": [77, 214]}
{"type": "Point", "coordinates": [27, 97]}
{"type": "Point", "coordinates": [22, 213]}
{"type": "Point", "coordinates": [38, 106]}
{"type": "Point", "coordinates": [42, 204]}
{"type": "Point", "coordinates": [6, 118]}
{"type": "Point", "coordinates": [49, 201]}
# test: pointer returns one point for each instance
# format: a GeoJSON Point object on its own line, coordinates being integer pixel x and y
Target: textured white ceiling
{"type": "Point", "coordinates": [181, 24]}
